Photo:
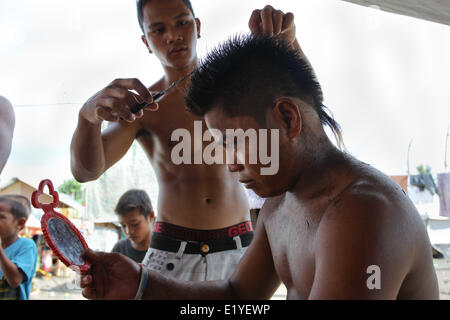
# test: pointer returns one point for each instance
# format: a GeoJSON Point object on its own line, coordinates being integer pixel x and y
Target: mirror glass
{"type": "Point", "coordinates": [66, 241]}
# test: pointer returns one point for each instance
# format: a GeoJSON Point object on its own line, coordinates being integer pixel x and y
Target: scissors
{"type": "Point", "coordinates": [159, 95]}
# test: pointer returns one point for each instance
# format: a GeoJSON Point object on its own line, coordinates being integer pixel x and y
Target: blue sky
{"type": "Point", "coordinates": [384, 76]}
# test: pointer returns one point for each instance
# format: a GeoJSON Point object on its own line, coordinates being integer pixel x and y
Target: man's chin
{"type": "Point", "coordinates": [267, 193]}
{"type": "Point", "coordinates": [179, 62]}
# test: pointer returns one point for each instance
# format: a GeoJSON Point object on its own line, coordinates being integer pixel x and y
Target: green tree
{"type": "Point", "coordinates": [424, 169]}
{"type": "Point", "coordinates": [74, 189]}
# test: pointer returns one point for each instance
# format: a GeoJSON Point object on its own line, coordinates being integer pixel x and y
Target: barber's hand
{"type": "Point", "coordinates": [112, 276]}
{"type": "Point", "coordinates": [116, 100]}
{"type": "Point", "coordinates": [272, 22]}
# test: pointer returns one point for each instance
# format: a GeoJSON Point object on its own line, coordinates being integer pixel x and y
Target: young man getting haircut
{"type": "Point", "coordinates": [200, 206]}
{"type": "Point", "coordinates": [332, 227]}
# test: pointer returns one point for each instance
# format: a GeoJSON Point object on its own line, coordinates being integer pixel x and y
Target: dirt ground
{"type": "Point", "coordinates": [65, 288]}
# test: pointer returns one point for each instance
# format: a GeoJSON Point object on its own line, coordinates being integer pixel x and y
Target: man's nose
{"type": "Point", "coordinates": [172, 36]}
{"type": "Point", "coordinates": [235, 167]}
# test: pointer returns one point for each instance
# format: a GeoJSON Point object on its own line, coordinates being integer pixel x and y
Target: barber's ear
{"type": "Point", "coordinates": [197, 22]}
{"type": "Point", "coordinates": [144, 40]}
{"type": "Point", "coordinates": [290, 117]}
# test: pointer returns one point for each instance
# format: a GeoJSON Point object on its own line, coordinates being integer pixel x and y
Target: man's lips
{"type": "Point", "coordinates": [176, 51]}
{"type": "Point", "coordinates": [248, 183]}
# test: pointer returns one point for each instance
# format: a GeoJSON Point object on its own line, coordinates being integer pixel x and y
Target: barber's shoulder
{"type": "Point", "coordinates": [157, 86]}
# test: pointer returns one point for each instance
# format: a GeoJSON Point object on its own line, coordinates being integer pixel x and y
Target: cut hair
{"type": "Point", "coordinates": [20, 206]}
{"type": "Point", "coordinates": [140, 14]}
{"type": "Point", "coordinates": [134, 199]}
{"type": "Point", "coordinates": [246, 74]}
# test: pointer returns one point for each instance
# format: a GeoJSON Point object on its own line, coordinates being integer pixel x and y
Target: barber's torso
{"type": "Point", "coordinates": [197, 196]}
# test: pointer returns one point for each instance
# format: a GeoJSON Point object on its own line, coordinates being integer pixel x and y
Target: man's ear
{"type": "Point", "coordinates": [197, 22]}
{"type": "Point", "coordinates": [290, 117]}
{"type": "Point", "coordinates": [144, 40]}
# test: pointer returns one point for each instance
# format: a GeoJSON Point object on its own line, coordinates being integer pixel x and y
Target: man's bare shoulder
{"type": "Point", "coordinates": [372, 215]}
{"type": "Point", "coordinates": [6, 110]}
{"type": "Point", "coordinates": [157, 86]}
{"type": "Point", "coordinates": [370, 223]}
{"type": "Point", "coordinates": [5, 105]}
{"type": "Point", "coordinates": [370, 197]}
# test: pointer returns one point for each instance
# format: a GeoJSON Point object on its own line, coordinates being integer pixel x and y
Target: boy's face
{"type": "Point", "coordinates": [170, 32]}
{"type": "Point", "coordinates": [135, 225]}
{"type": "Point", "coordinates": [9, 226]}
{"type": "Point", "coordinates": [250, 176]}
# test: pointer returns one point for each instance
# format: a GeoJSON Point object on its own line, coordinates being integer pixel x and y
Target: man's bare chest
{"type": "Point", "coordinates": [291, 234]}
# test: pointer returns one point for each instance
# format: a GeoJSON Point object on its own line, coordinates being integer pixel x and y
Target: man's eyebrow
{"type": "Point", "coordinates": [156, 24]}
{"type": "Point", "coordinates": [183, 14]}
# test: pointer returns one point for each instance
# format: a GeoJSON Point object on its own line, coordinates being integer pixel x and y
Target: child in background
{"type": "Point", "coordinates": [135, 215]}
{"type": "Point", "coordinates": [18, 256]}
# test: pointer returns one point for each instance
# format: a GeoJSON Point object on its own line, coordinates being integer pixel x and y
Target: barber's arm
{"type": "Point", "coordinates": [93, 151]}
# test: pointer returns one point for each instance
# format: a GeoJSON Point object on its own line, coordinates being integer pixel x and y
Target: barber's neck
{"type": "Point", "coordinates": [174, 74]}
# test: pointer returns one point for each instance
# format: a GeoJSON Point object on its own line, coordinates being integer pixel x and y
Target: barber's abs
{"type": "Point", "coordinates": [198, 196]}
{"type": "Point", "coordinates": [207, 204]}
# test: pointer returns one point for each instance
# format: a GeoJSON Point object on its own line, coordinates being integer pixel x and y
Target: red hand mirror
{"type": "Point", "coordinates": [62, 236]}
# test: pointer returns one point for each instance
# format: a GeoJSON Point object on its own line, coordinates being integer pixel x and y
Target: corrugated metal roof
{"type": "Point", "coordinates": [431, 10]}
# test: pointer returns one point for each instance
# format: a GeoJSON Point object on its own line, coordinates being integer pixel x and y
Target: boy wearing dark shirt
{"type": "Point", "coordinates": [135, 215]}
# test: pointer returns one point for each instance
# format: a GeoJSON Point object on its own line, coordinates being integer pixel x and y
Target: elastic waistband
{"type": "Point", "coordinates": [186, 234]}
{"type": "Point", "coordinates": [162, 242]}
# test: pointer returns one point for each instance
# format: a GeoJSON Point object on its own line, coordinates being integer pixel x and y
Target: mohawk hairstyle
{"type": "Point", "coordinates": [141, 3]}
{"type": "Point", "coordinates": [255, 71]}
